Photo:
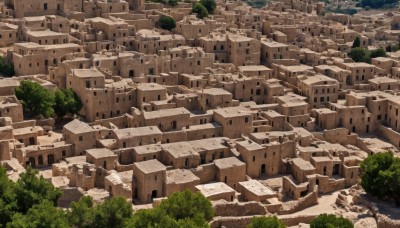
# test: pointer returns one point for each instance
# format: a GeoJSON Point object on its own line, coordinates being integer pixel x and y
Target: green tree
{"type": "Point", "coordinates": [381, 175]}
{"type": "Point", "coordinates": [151, 218]}
{"type": "Point", "coordinates": [5, 68]}
{"type": "Point", "coordinates": [167, 23]}
{"type": "Point", "coordinates": [8, 204]}
{"type": "Point", "coordinates": [330, 221]}
{"type": "Point", "coordinates": [209, 4]}
{"type": "Point", "coordinates": [31, 189]}
{"type": "Point", "coordinates": [360, 55]}
{"type": "Point", "coordinates": [266, 222]}
{"type": "Point", "coordinates": [66, 102]}
{"type": "Point", "coordinates": [375, 4]}
{"type": "Point", "coordinates": [173, 2]}
{"type": "Point", "coordinates": [380, 52]}
{"type": "Point", "coordinates": [112, 213]}
{"type": "Point", "coordinates": [185, 204]}
{"type": "Point", "coordinates": [43, 215]}
{"type": "Point", "coordinates": [35, 99]}
{"type": "Point", "coordinates": [200, 11]}
{"type": "Point", "coordinates": [181, 209]}
{"type": "Point", "coordinates": [356, 43]}
{"type": "Point", "coordinates": [81, 213]}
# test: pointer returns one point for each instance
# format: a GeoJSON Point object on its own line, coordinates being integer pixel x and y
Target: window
{"type": "Point", "coordinates": [80, 138]}
{"type": "Point", "coordinates": [246, 120]}
{"type": "Point", "coordinates": [45, 6]}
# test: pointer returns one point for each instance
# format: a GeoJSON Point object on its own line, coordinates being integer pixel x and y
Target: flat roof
{"type": "Point", "coordinates": [87, 73]}
{"type": "Point", "coordinates": [230, 162]}
{"type": "Point", "coordinates": [180, 176]}
{"type": "Point", "coordinates": [302, 164]}
{"type": "Point", "coordinates": [233, 111]}
{"type": "Point", "coordinates": [253, 68]}
{"type": "Point", "coordinates": [100, 153]}
{"type": "Point", "coordinates": [127, 133]}
{"type": "Point", "coordinates": [212, 189]}
{"type": "Point", "coordinates": [257, 188]}
{"type": "Point", "coordinates": [179, 149]}
{"type": "Point", "coordinates": [78, 127]}
{"type": "Point", "coordinates": [165, 112]}
{"type": "Point", "coordinates": [150, 166]}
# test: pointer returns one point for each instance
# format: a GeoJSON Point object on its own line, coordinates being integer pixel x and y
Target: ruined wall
{"type": "Point", "coordinates": [206, 173]}
{"type": "Point", "coordinates": [392, 136]}
{"type": "Point", "coordinates": [223, 208]}
{"type": "Point", "coordinates": [307, 201]}
{"type": "Point", "coordinates": [69, 195]}
{"type": "Point", "coordinates": [242, 222]}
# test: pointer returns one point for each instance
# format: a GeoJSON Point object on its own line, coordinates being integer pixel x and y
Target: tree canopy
{"type": "Point", "coordinates": [43, 215]}
{"type": "Point", "coordinates": [32, 202]}
{"type": "Point", "coordinates": [5, 68]}
{"type": "Point", "coordinates": [113, 212]}
{"type": "Point", "coordinates": [329, 220]}
{"type": "Point", "coordinates": [35, 99]}
{"type": "Point", "coordinates": [376, 4]}
{"type": "Point", "coordinates": [380, 52]}
{"type": "Point", "coordinates": [181, 209]}
{"type": "Point", "coordinates": [66, 102]}
{"type": "Point", "coordinates": [210, 5]}
{"type": "Point", "coordinates": [167, 23]}
{"type": "Point", "coordinates": [200, 11]}
{"type": "Point", "coordinates": [381, 175]}
{"type": "Point", "coordinates": [266, 222]}
{"type": "Point", "coordinates": [39, 101]}
{"type": "Point", "coordinates": [22, 198]}
{"type": "Point", "coordinates": [359, 54]}
{"type": "Point", "coordinates": [356, 43]}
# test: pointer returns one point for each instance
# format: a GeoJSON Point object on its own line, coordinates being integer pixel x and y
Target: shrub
{"type": "Point", "coordinates": [167, 23]}
{"type": "Point", "coordinates": [328, 221]}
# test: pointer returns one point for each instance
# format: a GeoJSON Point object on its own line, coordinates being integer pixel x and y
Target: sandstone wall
{"type": "Point", "coordinates": [305, 202]}
{"type": "Point", "coordinates": [242, 222]}
{"type": "Point", "coordinates": [223, 208]}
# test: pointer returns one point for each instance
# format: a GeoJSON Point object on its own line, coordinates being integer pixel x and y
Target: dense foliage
{"type": "Point", "coordinates": [356, 43]}
{"type": "Point", "coordinates": [266, 222]}
{"type": "Point", "coordinates": [328, 221]}
{"type": "Point", "coordinates": [376, 4]}
{"type": "Point", "coordinates": [381, 175]}
{"type": "Point", "coordinates": [35, 99]}
{"type": "Point", "coordinates": [38, 100]}
{"type": "Point", "coordinates": [209, 4]}
{"type": "Point", "coordinates": [200, 11]}
{"type": "Point", "coordinates": [67, 102]}
{"type": "Point", "coordinates": [360, 54]}
{"type": "Point", "coordinates": [181, 209]}
{"type": "Point", "coordinates": [113, 212]}
{"type": "Point", "coordinates": [5, 68]}
{"type": "Point", "coordinates": [28, 199]}
{"type": "Point", "coordinates": [32, 202]}
{"type": "Point", "coordinates": [167, 23]}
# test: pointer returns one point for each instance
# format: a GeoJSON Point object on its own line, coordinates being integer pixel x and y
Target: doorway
{"type": "Point", "coordinates": [50, 159]}
{"type": "Point", "coordinates": [263, 169]}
